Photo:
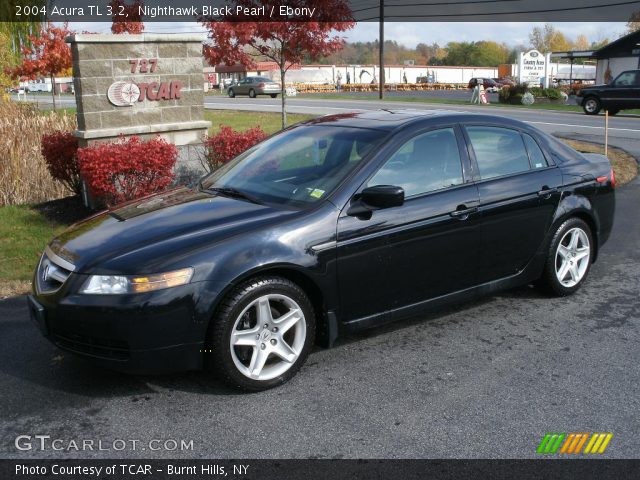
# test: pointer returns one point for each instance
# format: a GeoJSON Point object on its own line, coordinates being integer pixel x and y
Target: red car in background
{"type": "Point", "coordinates": [489, 84]}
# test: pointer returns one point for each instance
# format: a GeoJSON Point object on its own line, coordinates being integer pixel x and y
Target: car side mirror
{"type": "Point", "coordinates": [376, 198]}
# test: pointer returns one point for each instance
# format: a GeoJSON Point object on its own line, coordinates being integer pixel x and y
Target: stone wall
{"type": "Point", "coordinates": [101, 60]}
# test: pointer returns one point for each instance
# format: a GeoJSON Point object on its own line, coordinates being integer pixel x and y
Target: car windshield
{"type": "Point", "coordinates": [295, 168]}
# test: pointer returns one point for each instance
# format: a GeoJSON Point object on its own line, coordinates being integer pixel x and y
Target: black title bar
{"type": "Point", "coordinates": [313, 10]}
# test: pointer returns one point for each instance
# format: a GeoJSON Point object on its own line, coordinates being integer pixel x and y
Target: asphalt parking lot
{"type": "Point", "coordinates": [480, 380]}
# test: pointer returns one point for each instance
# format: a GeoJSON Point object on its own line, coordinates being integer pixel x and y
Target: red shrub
{"type": "Point", "coordinates": [127, 169]}
{"type": "Point", "coordinates": [229, 143]}
{"type": "Point", "coordinates": [60, 150]}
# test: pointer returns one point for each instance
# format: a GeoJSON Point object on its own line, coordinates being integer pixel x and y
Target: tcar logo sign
{"type": "Point", "coordinates": [126, 93]}
{"type": "Point", "coordinates": [123, 94]}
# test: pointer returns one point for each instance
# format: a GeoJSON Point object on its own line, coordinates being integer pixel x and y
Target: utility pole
{"type": "Point", "coordinates": [381, 75]}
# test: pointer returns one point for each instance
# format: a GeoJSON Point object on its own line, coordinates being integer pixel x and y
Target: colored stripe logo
{"type": "Point", "coordinates": [573, 443]}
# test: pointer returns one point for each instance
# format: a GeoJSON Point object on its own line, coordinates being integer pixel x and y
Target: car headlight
{"type": "Point", "coordinates": [121, 284]}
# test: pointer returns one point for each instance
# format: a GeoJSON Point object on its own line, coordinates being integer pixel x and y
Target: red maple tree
{"type": "Point", "coordinates": [47, 56]}
{"type": "Point", "coordinates": [286, 40]}
{"type": "Point", "coordinates": [126, 18]}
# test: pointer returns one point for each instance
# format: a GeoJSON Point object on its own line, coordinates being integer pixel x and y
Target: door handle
{"type": "Point", "coordinates": [462, 212]}
{"type": "Point", "coordinates": [546, 192]}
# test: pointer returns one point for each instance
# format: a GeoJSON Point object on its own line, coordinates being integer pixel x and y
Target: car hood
{"type": "Point", "coordinates": [133, 237]}
{"type": "Point", "coordinates": [595, 87]}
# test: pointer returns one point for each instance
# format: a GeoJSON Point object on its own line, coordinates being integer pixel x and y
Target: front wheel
{"type": "Point", "coordinates": [569, 258]}
{"type": "Point", "coordinates": [262, 334]}
{"type": "Point", "coordinates": [613, 112]}
{"type": "Point", "coordinates": [274, 95]}
{"type": "Point", "coordinates": [591, 106]}
{"type": "Point", "coordinates": [231, 93]}
{"type": "Point", "coordinates": [252, 93]}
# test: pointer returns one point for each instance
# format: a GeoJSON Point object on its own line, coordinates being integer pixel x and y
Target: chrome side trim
{"type": "Point", "coordinates": [324, 246]}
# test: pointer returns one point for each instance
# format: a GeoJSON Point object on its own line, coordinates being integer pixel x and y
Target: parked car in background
{"type": "Point", "coordinates": [254, 86]}
{"type": "Point", "coordinates": [623, 93]}
{"type": "Point", "coordinates": [489, 84]}
{"type": "Point", "coordinates": [340, 223]}
{"type": "Point", "coordinates": [505, 81]}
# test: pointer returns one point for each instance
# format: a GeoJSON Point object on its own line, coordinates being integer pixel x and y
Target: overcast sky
{"type": "Point", "coordinates": [412, 33]}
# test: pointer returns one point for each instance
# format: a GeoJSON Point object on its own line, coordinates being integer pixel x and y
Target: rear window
{"type": "Point", "coordinates": [537, 158]}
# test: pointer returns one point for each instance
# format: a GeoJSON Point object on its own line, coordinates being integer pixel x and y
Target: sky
{"type": "Point", "coordinates": [412, 33]}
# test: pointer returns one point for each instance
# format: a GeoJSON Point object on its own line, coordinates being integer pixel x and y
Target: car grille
{"type": "Point", "coordinates": [95, 347]}
{"type": "Point", "coordinates": [52, 272]}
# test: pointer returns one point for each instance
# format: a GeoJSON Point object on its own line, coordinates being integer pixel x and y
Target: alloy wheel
{"type": "Point", "coordinates": [572, 257]}
{"type": "Point", "coordinates": [268, 337]}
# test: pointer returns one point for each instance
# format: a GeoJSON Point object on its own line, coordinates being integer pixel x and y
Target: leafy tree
{"type": "Point", "coordinates": [243, 38]}
{"type": "Point", "coordinates": [476, 54]}
{"type": "Point", "coordinates": [48, 56]}
{"type": "Point", "coordinates": [633, 25]}
{"type": "Point", "coordinates": [548, 39]}
{"type": "Point", "coordinates": [581, 42]}
{"type": "Point", "coordinates": [126, 18]}
{"type": "Point", "coordinates": [491, 54]}
{"type": "Point", "coordinates": [8, 61]}
{"type": "Point", "coordinates": [17, 34]}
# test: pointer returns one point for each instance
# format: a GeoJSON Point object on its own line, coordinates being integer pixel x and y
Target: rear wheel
{"type": "Point", "coordinates": [263, 333]}
{"type": "Point", "coordinates": [591, 106]}
{"type": "Point", "coordinates": [231, 93]}
{"type": "Point", "coordinates": [252, 93]}
{"type": "Point", "coordinates": [569, 258]}
{"type": "Point", "coordinates": [613, 111]}
{"type": "Point", "coordinates": [274, 95]}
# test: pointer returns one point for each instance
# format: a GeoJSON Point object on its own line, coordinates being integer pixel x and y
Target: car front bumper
{"type": "Point", "coordinates": [162, 331]}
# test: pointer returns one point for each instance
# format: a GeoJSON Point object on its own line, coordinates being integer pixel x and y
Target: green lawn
{"type": "Point", "coordinates": [23, 235]}
{"type": "Point", "coordinates": [241, 120]}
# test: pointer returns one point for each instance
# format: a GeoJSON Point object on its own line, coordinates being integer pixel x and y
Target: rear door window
{"type": "Point", "coordinates": [498, 151]}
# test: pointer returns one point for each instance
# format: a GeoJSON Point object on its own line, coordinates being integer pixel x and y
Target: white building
{"type": "Point", "coordinates": [618, 56]}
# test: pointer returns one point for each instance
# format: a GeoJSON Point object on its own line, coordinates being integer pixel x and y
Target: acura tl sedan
{"type": "Point", "coordinates": [340, 223]}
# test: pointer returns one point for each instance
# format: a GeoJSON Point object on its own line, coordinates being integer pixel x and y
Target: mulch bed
{"type": "Point", "coordinates": [65, 211]}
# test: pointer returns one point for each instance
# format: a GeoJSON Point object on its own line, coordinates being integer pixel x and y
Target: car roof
{"type": "Point", "coordinates": [391, 119]}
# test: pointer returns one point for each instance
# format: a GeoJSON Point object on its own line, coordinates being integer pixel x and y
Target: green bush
{"type": "Point", "coordinates": [550, 93]}
{"type": "Point", "coordinates": [513, 95]}
{"type": "Point", "coordinates": [553, 93]}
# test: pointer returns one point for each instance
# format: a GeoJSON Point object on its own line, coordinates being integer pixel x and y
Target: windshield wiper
{"type": "Point", "coordinates": [234, 193]}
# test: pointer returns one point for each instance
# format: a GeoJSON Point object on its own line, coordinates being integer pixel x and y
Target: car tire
{"type": "Point", "coordinates": [231, 93]}
{"type": "Point", "coordinates": [569, 258]}
{"type": "Point", "coordinates": [261, 334]}
{"type": "Point", "coordinates": [591, 106]}
{"type": "Point", "coordinates": [252, 93]}
{"type": "Point", "coordinates": [274, 95]}
{"type": "Point", "coordinates": [613, 112]}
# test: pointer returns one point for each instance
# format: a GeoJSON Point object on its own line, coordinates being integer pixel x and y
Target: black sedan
{"type": "Point", "coordinates": [339, 223]}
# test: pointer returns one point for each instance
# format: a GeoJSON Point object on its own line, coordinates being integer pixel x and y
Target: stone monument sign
{"type": "Point", "coordinates": [143, 85]}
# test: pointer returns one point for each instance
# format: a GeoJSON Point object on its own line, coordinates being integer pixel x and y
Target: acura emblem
{"type": "Point", "coordinates": [45, 271]}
